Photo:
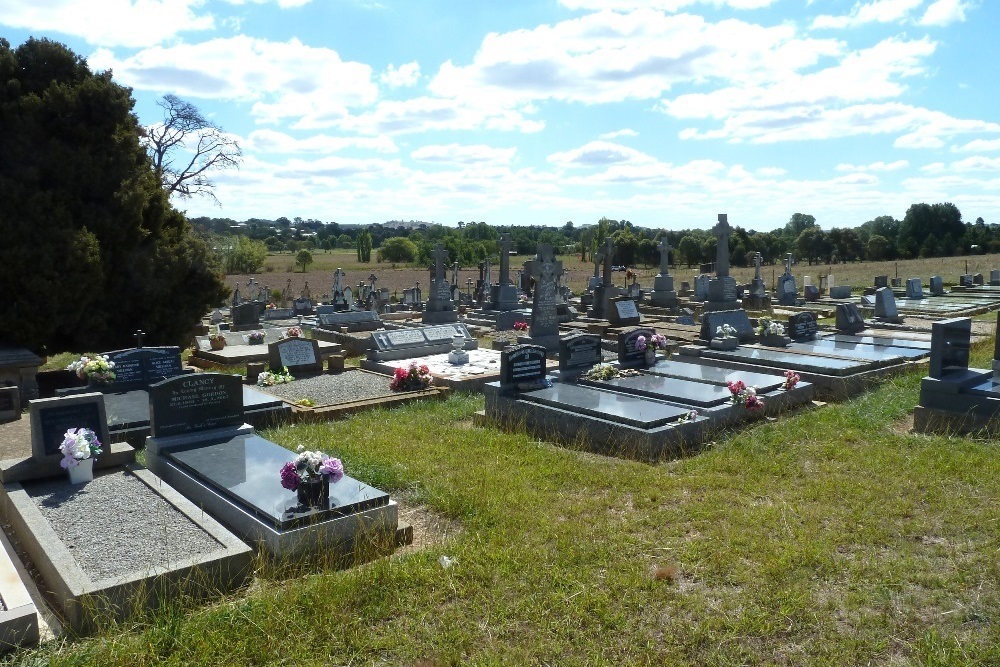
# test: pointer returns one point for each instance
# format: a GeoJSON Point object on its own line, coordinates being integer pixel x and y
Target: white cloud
{"type": "Point", "coordinates": [626, 132]}
{"type": "Point", "coordinates": [271, 141]}
{"type": "Point", "coordinates": [422, 114]}
{"type": "Point", "coordinates": [599, 154]}
{"type": "Point", "coordinates": [284, 4]}
{"type": "Point", "coordinates": [874, 166]}
{"type": "Point", "coordinates": [458, 154]}
{"type": "Point", "coordinates": [980, 145]}
{"type": "Point", "coordinates": [284, 80]}
{"type": "Point", "coordinates": [609, 57]}
{"type": "Point", "coordinates": [126, 23]}
{"type": "Point", "coordinates": [945, 12]}
{"type": "Point", "coordinates": [877, 11]}
{"type": "Point", "coordinates": [404, 76]}
{"type": "Point", "coordinates": [661, 5]}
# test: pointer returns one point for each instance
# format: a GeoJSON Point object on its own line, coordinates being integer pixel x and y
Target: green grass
{"type": "Point", "coordinates": [831, 537]}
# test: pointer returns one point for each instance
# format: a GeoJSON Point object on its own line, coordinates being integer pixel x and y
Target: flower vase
{"type": "Point", "coordinates": [650, 356]}
{"type": "Point", "coordinates": [82, 472]}
{"type": "Point", "coordinates": [217, 343]}
{"type": "Point", "coordinates": [314, 492]}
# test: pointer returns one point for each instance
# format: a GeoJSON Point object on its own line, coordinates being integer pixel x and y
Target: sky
{"type": "Point", "coordinates": [662, 112]}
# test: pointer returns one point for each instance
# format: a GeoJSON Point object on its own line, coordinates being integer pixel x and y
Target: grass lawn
{"type": "Point", "coordinates": [830, 537]}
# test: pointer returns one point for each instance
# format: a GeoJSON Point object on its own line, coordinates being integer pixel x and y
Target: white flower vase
{"type": "Point", "coordinates": [81, 473]}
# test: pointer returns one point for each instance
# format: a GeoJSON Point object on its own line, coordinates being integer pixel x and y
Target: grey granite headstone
{"type": "Point", "coordinates": [977, 279]}
{"type": "Point", "coordinates": [914, 290]}
{"type": "Point", "coordinates": [787, 290]}
{"type": "Point", "coordinates": [885, 303]}
{"type": "Point", "coordinates": [622, 311]}
{"type": "Point", "coordinates": [545, 300]}
{"type": "Point", "coordinates": [198, 402]}
{"type": "Point", "coordinates": [351, 320]}
{"type": "Point", "coordinates": [849, 319]}
{"type": "Point", "coordinates": [811, 293]}
{"type": "Point", "coordinates": [950, 346]}
{"type": "Point", "coordinates": [279, 314]}
{"type": "Point", "coordinates": [881, 281]}
{"type": "Point", "coordinates": [628, 355]}
{"type": "Point", "coordinates": [52, 417]}
{"type": "Point", "coordinates": [840, 292]}
{"type": "Point", "coordinates": [994, 277]}
{"type": "Point", "coordinates": [522, 364]}
{"type": "Point", "coordinates": [579, 352]}
{"type": "Point", "coordinates": [737, 319]}
{"type": "Point", "coordinates": [937, 285]}
{"type": "Point", "coordinates": [701, 287]}
{"type": "Point", "coordinates": [965, 280]}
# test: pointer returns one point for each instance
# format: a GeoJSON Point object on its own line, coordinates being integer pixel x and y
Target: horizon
{"type": "Point", "coordinates": [660, 112]}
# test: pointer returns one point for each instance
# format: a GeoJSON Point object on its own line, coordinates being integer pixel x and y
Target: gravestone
{"type": "Point", "coordinates": [849, 320]}
{"type": "Point", "coordinates": [722, 292]}
{"type": "Point", "coordinates": [885, 305]}
{"type": "Point", "coordinates": [937, 285]}
{"type": "Point", "coordinates": [811, 293]}
{"type": "Point", "coordinates": [417, 342]}
{"type": "Point", "coordinates": [302, 306]}
{"type": "Point", "coordinates": [140, 367]}
{"type": "Point", "coordinates": [787, 290]}
{"type": "Point", "coordinates": [881, 281]}
{"type": "Point", "coordinates": [602, 293]}
{"type": "Point", "coordinates": [544, 329]}
{"type": "Point", "coordinates": [737, 319]}
{"type": "Point", "coordinates": [977, 279]}
{"type": "Point", "coordinates": [298, 355]}
{"type": "Point", "coordinates": [10, 404]}
{"type": "Point", "coordinates": [622, 311]}
{"type": "Point", "coordinates": [504, 295]}
{"type": "Point", "coordinates": [965, 280]}
{"type": "Point", "coordinates": [663, 294]}
{"type": "Point", "coordinates": [802, 326]}
{"type": "Point", "coordinates": [994, 277]}
{"type": "Point", "coordinates": [189, 403]}
{"type": "Point", "coordinates": [896, 282]}
{"type": "Point", "coordinates": [216, 317]}
{"type": "Point", "coordinates": [914, 290]}
{"type": "Point", "coordinates": [245, 316]}
{"type": "Point", "coordinates": [950, 347]}
{"type": "Point", "coordinates": [19, 368]}
{"type": "Point", "coordinates": [351, 321]}
{"type": "Point", "coordinates": [840, 292]}
{"type": "Point", "coordinates": [701, 288]}
{"type": "Point", "coordinates": [440, 309]}
{"type": "Point", "coordinates": [758, 298]}
{"type": "Point", "coordinates": [52, 417]}
{"type": "Point", "coordinates": [279, 314]}
{"type": "Point", "coordinates": [522, 367]}
{"type": "Point", "coordinates": [579, 352]}
{"type": "Point", "coordinates": [628, 355]}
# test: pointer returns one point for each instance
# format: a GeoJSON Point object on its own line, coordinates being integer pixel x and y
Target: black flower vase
{"type": "Point", "coordinates": [314, 492]}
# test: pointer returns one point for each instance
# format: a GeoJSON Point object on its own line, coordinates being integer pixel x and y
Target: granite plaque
{"type": "Point", "coordinates": [350, 318]}
{"type": "Point", "coordinates": [623, 311]}
{"type": "Point", "coordinates": [579, 352]}
{"type": "Point", "coordinates": [295, 354]}
{"type": "Point", "coordinates": [52, 417]}
{"type": "Point", "coordinates": [196, 402]}
{"type": "Point", "coordinates": [802, 326]}
{"type": "Point", "coordinates": [628, 355]}
{"type": "Point", "coordinates": [522, 363]}
{"type": "Point", "coordinates": [914, 290]}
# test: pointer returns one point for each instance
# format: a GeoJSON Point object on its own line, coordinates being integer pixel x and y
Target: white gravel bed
{"type": "Point", "coordinates": [334, 389]}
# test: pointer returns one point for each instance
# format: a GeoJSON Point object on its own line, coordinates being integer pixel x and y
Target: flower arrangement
{"type": "Point", "coordinates": [94, 368]}
{"type": "Point", "coordinates": [522, 299]}
{"type": "Point", "coordinates": [688, 417]}
{"type": "Point", "coordinates": [217, 341]}
{"type": "Point", "coordinates": [293, 332]}
{"type": "Point", "coordinates": [656, 341]}
{"type": "Point", "coordinates": [607, 372]}
{"type": "Point", "coordinates": [78, 444]}
{"type": "Point", "coordinates": [270, 378]}
{"type": "Point", "coordinates": [308, 466]}
{"type": "Point", "coordinates": [744, 395]}
{"type": "Point", "coordinates": [725, 331]}
{"type": "Point", "coordinates": [256, 337]}
{"type": "Point", "coordinates": [791, 379]}
{"type": "Point", "coordinates": [412, 379]}
{"type": "Point", "coordinates": [768, 327]}
{"type": "Point", "coordinates": [520, 325]}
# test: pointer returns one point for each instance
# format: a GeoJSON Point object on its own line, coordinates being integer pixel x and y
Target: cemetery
{"type": "Point", "coordinates": [655, 376]}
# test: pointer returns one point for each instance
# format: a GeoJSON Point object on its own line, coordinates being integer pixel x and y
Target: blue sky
{"type": "Point", "coordinates": [662, 112]}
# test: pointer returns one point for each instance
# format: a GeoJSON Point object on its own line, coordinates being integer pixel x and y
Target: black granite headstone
{"type": "Point", "coordinates": [996, 344]}
{"type": "Point", "coordinates": [950, 344]}
{"type": "Point", "coordinates": [296, 354]}
{"type": "Point", "coordinates": [10, 403]}
{"type": "Point", "coordinates": [849, 319]}
{"type": "Point", "coordinates": [245, 315]}
{"type": "Point", "coordinates": [141, 367]}
{"type": "Point", "coordinates": [196, 402]}
{"type": "Point", "coordinates": [881, 281]}
{"type": "Point", "coordinates": [623, 311]}
{"type": "Point", "coordinates": [522, 364]}
{"type": "Point", "coordinates": [737, 319]}
{"type": "Point", "coordinates": [802, 326]}
{"type": "Point", "coordinates": [965, 280]}
{"type": "Point", "coordinates": [579, 352]}
{"type": "Point", "coordinates": [302, 306]}
{"type": "Point", "coordinates": [811, 293]}
{"type": "Point", "coordinates": [628, 355]}
{"type": "Point", "coordinates": [52, 417]}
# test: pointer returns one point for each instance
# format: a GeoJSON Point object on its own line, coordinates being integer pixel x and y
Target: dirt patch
{"type": "Point", "coordinates": [430, 528]}
{"type": "Point", "coordinates": [904, 425]}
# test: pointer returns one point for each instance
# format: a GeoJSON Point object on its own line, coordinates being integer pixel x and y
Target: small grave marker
{"type": "Point", "coordinates": [298, 355]}
{"type": "Point", "coordinates": [579, 352]}
{"type": "Point", "coordinates": [849, 319]}
{"type": "Point", "coordinates": [628, 355]}
{"type": "Point", "coordinates": [802, 326]}
{"type": "Point", "coordinates": [522, 365]}
{"type": "Point", "coordinates": [195, 402]}
{"type": "Point", "coordinates": [52, 417]}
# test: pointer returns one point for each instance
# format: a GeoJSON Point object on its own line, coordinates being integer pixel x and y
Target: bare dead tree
{"type": "Point", "coordinates": [186, 146]}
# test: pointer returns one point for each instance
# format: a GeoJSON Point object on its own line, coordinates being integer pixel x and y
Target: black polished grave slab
{"type": "Point", "coordinates": [787, 360]}
{"type": "Point", "coordinates": [671, 389]}
{"type": "Point", "coordinates": [884, 341]}
{"type": "Point", "coordinates": [130, 409]}
{"type": "Point", "coordinates": [851, 350]}
{"type": "Point", "coordinates": [245, 468]}
{"type": "Point", "coordinates": [714, 375]}
{"type": "Point", "coordinates": [620, 408]}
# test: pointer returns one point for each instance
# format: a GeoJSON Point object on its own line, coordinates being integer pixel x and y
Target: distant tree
{"type": "Point", "coordinates": [244, 255]}
{"type": "Point", "coordinates": [812, 244]}
{"type": "Point", "coordinates": [304, 258]}
{"type": "Point", "coordinates": [879, 248]}
{"type": "Point", "coordinates": [798, 223]}
{"type": "Point", "coordinates": [364, 246]}
{"type": "Point", "coordinates": [186, 147]}
{"type": "Point", "coordinates": [648, 253]}
{"type": "Point", "coordinates": [397, 249]}
{"type": "Point", "coordinates": [86, 228]}
{"type": "Point", "coordinates": [689, 249]}
{"type": "Point", "coordinates": [626, 245]}
{"type": "Point", "coordinates": [344, 241]}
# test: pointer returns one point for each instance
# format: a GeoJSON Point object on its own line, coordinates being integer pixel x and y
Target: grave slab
{"type": "Point", "coordinates": [619, 408]}
{"type": "Point", "coordinates": [18, 615]}
{"type": "Point", "coordinates": [663, 388]}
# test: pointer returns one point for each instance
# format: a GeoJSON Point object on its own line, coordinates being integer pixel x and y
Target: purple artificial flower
{"type": "Point", "coordinates": [640, 343]}
{"type": "Point", "coordinates": [332, 468]}
{"type": "Point", "coordinates": [289, 478]}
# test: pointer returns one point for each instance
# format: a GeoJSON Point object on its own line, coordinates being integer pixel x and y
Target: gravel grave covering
{"type": "Point", "coordinates": [116, 525]}
{"type": "Point", "coordinates": [334, 389]}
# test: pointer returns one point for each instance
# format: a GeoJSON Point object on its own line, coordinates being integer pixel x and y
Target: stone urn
{"type": "Point", "coordinates": [217, 343]}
